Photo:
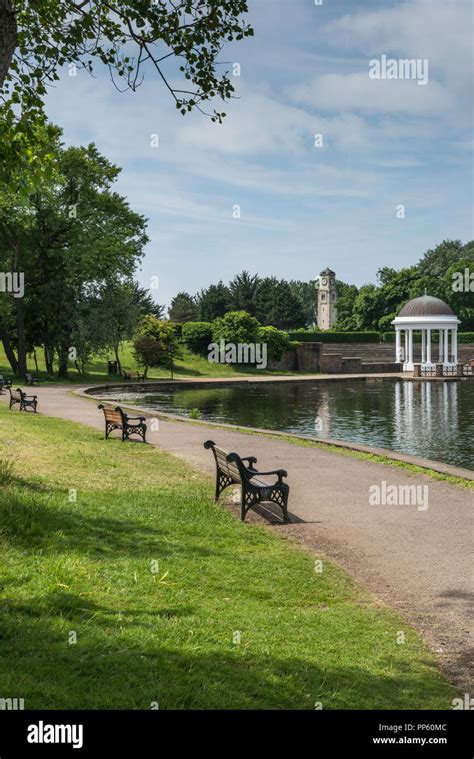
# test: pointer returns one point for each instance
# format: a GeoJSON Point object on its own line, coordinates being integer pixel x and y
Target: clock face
{"type": "Point", "coordinates": [324, 281]}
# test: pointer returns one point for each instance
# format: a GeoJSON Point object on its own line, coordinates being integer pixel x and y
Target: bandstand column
{"type": "Point", "coordinates": [410, 347]}
{"type": "Point", "coordinates": [405, 360]}
{"type": "Point", "coordinates": [441, 351]}
{"type": "Point", "coordinates": [397, 345]}
{"type": "Point", "coordinates": [446, 346]}
{"type": "Point", "coordinates": [428, 346]}
{"type": "Point", "coordinates": [454, 345]}
{"type": "Point", "coordinates": [423, 346]}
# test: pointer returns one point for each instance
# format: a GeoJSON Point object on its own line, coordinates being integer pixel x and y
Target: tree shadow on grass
{"type": "Point", "coordinates": [31, 524]}
{"type": "Point", "coordinates": [106, 670]}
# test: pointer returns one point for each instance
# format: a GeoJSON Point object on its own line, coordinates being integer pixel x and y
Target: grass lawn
{"type": "Point", "coordinates": [172, 636]}
{"type": "Point", "coordinates": [188, 365]}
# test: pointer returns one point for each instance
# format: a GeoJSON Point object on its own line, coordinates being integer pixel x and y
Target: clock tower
{"type": "Point", "coordinates": [327, 299]}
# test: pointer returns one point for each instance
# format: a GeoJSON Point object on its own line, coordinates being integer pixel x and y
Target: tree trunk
{"type": "Point", "coordinates": [9, 353]}
{"type": "Point", "coordinates": [116, 351]}
{"type": "Point", "coordinates": [63, 360]}
{"type": "Point", "coordinates": [8, 37]}
{"type": "Point", "coordinates": [36, 360]}
{"type": "Point", "coordinates": [20, 336]}
{"type": "Point", "coordinates": [20, 318]}
{"type": "Point", "coordinates": [49, 358]}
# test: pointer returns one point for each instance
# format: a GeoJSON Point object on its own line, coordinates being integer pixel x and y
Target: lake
{"type": "Point", "coordinates": [434, 420]}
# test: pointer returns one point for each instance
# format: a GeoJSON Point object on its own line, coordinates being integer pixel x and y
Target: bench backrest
{"type": "Point", "coordinates": [112, 415]}
{"type": "Point", "coordinates": [233, 468]}
{"type": "Point", "coordinates": [15, 395]}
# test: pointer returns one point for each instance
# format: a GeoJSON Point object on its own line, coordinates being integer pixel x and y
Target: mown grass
{"type": "Point", "coordinates": [84, 566]}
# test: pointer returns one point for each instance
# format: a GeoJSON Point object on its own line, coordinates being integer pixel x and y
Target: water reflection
{"type": "Point", "coordinates": [430, 419]}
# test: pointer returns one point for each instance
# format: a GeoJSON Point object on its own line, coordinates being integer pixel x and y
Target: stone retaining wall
{"type": "Point", "coordinates": [351, 358]}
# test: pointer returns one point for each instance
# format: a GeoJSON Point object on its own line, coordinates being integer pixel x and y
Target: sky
{"type": "Point", "coordinates": [386, 143]}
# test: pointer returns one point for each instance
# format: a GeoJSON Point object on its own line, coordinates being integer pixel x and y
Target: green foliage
{"type": "Point", "coordinates": [277, 341]}
{"type": "Point", "coordinates": [183, 308]}
{"type": "Point", "coordinates": [128, 38]}
{"type": "Point", "coordinates": [277, 305]}
{"type": "Point", "coordinates": [307, 294]}
{"type": "Point", "coordinates": [73, 237]}
{"type": "Point", "coordinates": [196, 336]}
{"type": "Point", "coordinates": [148, 351]}
{"type": "Point", "coordinates": [243, 292]}
{"type": "Point", "coordinates": [161, 343]}
{"type": "Point", "coordinates": [213, 302]}
{"type": "Point", "coordinates": [236, 327]}
{"type": "Point", "coordinates": [334, 337]}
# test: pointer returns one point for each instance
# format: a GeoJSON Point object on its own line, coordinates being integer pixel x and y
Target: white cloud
{"type": "Point", "coordinates": [440, 30]}
{"type": "Point", "coordinates": [357, 92]}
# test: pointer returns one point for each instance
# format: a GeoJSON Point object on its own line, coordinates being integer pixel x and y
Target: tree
{"type": "Point", "coordinates": [277, 305]}
{"type": "Point", "coordinates": [121, 305]}
{"type": "Point", "coordinates": [165, 336]}
{"type": "Point", "coordinates": [346, 296]}
{"type": "Point", "coordinates": [70, 237]}
{"type": "Point", "coordinates": [213, 302]}
{"type": "Point", "coordinates": [243, 289]}
{"type": "Point", "coordinates": [183, 308]}
{"type": "Point", "coordinates": [129, 37]}
{"type": "Point", "coordinates": [147, 352]}
{"type": "Point", "coordinates": [307, 294]}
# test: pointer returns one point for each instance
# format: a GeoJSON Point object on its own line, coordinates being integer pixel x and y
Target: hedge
{"type": "Point", "coordinates": [335, 337]}
{"type": "Point", "coordinates": [463, 337]}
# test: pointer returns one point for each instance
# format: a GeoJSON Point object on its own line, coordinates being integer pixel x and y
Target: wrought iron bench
{"type": "Point", "coordinates": [4, 383]}
{"type": "Point", "coordinates": [117, 419]}
{"type": "Point", "coordinates": [232, 469]}
{"type": "Point", "coordinates": [32, 379]}
{"type": "Point", "coordinates": [129, 376]}
{"type": "Point", "coordinates": [22, 399]}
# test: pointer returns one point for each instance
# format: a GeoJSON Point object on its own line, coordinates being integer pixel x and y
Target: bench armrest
{"type": "Point", "coordinates": [30, 397]}
{"type": "Point", "coordinates": [279, 472]}
{"type": "Point", "coordinates": [250, 459]}
{"type": "Point", "coordinates": [134, 418]}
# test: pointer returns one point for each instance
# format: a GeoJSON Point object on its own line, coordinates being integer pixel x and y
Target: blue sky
{"type": "Point", "coordinates": [385, 143]}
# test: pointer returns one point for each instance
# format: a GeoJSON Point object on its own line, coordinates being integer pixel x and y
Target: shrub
{"type": "Point", "coordinates": [197, 336]}
{"type": "Point", "coordinates": [277, 341]}
{"type": "Point", "coordinates": [334, 337]}
{"type": "Point", "coordinates": [236, 327]}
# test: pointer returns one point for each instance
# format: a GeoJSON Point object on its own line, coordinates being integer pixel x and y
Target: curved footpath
{"type": "Point", "coordinates": [418, 561]}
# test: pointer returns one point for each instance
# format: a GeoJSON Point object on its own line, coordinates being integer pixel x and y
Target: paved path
{"type": "Point", "coordinates": [417, 561]}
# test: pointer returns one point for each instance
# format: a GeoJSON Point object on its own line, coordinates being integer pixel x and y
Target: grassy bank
{"type": "Point", "coordinates": [231, 615]}
{"type": "Point", "coordinates": [187, 365]}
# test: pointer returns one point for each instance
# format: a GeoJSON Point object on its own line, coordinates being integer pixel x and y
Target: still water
{"type": "Point", "coordinates": [430, 419]}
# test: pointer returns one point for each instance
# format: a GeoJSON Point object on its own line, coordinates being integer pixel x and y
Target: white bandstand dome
{"type": "Point", "coordinates": [426, 315]}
